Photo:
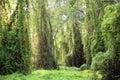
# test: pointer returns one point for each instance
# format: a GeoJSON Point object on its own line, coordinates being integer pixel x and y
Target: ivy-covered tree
{"type": "Point", "coordinates": [108, 62]}
{"type": "Point", "coordinates": [15, 53]}
{"type": "Point", "coordinates": [45, 58]}
{"type": "Point", "coordinates": [76, 58]}
{"type": "Point", "coordinates": [98, 37]}
{"type": "Point", "coordinates": [92, 41]}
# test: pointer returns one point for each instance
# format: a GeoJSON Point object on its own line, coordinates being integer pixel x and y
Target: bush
{"type": "Point", "coordinates": [84, 67]}
{"type": "Point", "coordinates": [14, 56]}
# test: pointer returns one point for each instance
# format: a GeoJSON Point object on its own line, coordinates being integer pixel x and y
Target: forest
{"type": "Point", "coordinates": [59, 39]}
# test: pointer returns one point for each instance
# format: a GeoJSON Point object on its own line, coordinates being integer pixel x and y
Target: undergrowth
{"type": "Point", "coordinates": [63, 74]}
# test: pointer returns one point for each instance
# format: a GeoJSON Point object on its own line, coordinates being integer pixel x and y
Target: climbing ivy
{"type": "Point", "coordinates": [108, 62]}
{"type": "Point", "coordinates": [15, 53]}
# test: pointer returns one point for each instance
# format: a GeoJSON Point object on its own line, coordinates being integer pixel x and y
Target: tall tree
{"type": "Point", "coordinates": [46, 56]}
{"type": "Point", "coordinates": [76, 58]}
{"type": "Point", "coordinates": [23, 35]}
{"type": "Point", "coordinates": [92, 40]}
{"type": "Point", "coordinates": [15, 54]}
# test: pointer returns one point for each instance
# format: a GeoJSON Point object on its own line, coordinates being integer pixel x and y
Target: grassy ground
{"type": "Point", "coordinates": [67, 74]}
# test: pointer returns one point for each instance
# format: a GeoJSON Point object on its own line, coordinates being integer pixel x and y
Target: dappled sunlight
{"type": "Point", "coordinates": [59, 39]}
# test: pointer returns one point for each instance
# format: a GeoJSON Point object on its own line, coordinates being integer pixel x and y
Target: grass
{"type": "Point", "coordinates": [69, 74]}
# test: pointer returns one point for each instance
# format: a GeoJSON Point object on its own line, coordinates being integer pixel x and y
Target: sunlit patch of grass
{"type": "Point", "coordinates": [87, 73]}
{"type": "Point", "coordinates": [70, 74]}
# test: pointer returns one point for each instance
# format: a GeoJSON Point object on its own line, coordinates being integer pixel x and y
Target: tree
{"type": "Point", "coordinates": [15, 54]}
{"type": "Point", "coordinates": [110, 63]}
{"type": "Point", "coordinates": [45, 58]}
{"type": "Point", "coordinates": [92, 40]}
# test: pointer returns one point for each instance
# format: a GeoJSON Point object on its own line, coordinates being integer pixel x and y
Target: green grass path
{"type": "Point", "coordinates": [54, 75]}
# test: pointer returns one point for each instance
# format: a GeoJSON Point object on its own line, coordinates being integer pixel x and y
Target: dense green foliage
{"type": "Point", "coordinates": [92, 40]}
{"type": "Point", "coordinates": [110, 62]}
{"type": "Point", "coordinates": [45, 56]}
{"type": "Point", "coordinates": [15, 49]}
{"type": "Point", "coordinates": [61, 35]}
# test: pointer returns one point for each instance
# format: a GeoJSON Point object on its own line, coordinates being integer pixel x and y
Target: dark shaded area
{"type": "Point", "coordinates": [77, 58]}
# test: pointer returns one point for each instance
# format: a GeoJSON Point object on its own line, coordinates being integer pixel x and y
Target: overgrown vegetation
{"type": "Point", "coordinates": [15, 48]}
{"type": "Point", "coordinates": [110, 63]}
{"type": "Point", "coordinates": [78, 38]}
{"type": "Point", "coordinates": [70, 74]}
